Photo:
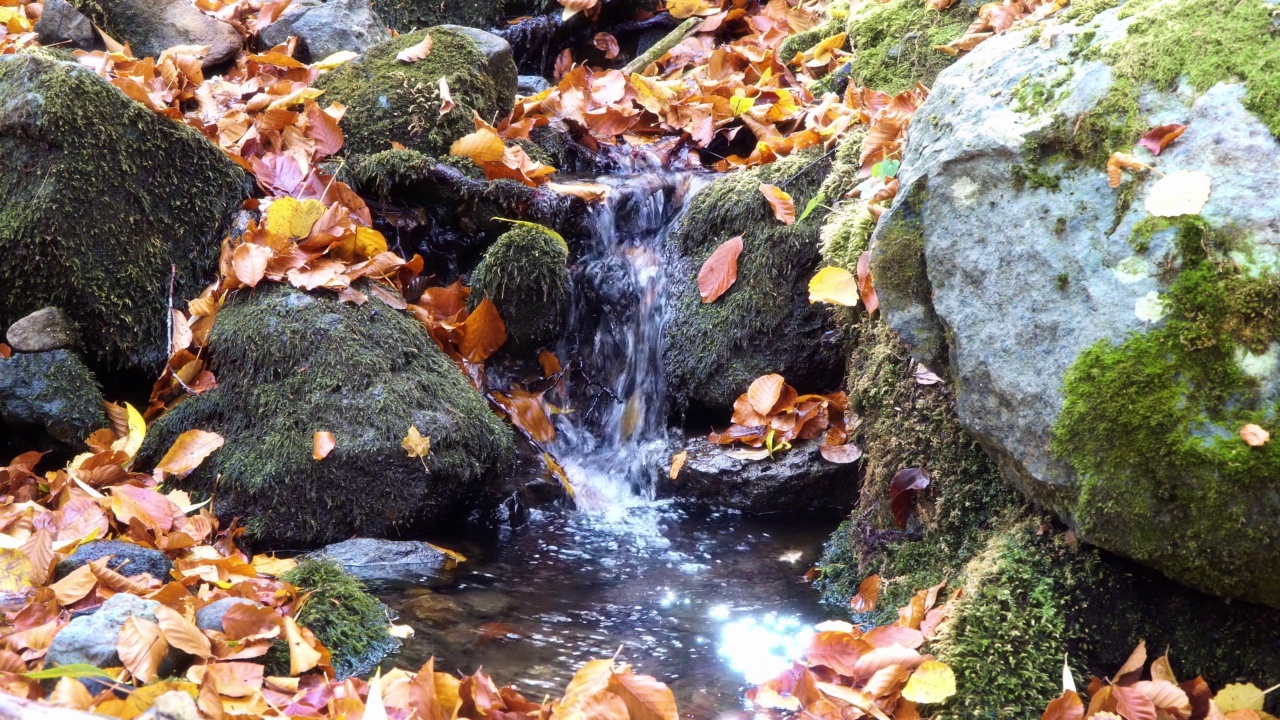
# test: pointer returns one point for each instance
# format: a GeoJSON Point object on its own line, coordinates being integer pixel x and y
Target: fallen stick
{"type": "Point", "coordinates": [663, 46]}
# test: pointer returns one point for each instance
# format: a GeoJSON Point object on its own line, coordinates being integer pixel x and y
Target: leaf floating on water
{"type": "Point", "coordinates": [559, 474]}
{"type": "Point", "coordinates": [1254, 435]}
{"type": "Point", "coordinates": [453, 555]}
{"type": "Point", "coordinates": [720, 271]}
{"type": "Point", "coordinates": [418, 51]}
{"type": "Point", "coordinates": [902, 491]}
{"type": "Point", "coordinates": [835, 286]}
{"type": "Point", "coordinates": [784, 208]}
{"type": "Point", "coordinates": [322, 444]}
{"type": "Point", "coordinates": [1180, 193]}
{"type": "Point", "coordinates": [402, 632]}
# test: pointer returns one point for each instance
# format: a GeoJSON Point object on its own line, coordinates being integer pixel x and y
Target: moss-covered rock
{"type": "Point", "coordinates": [525, 275]}
{"type": "Point", "coordinates": [290, 364]}
{"type": "Point", "coordinates": [51, 392]}
{"type": "Point", "coordinates": [764, 323]}
{"type": "Point", "coordinates": [99, 199]}
{"type": "Point", "coordinates": [892, 42]}
{"type": "Point", "coordinates": [351, 623]}
{"type": "Point", "coordinates": [407, 15]}
{"type": "Point", "coordinates": [388, 100]}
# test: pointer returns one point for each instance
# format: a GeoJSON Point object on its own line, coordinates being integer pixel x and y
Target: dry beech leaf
{"type": "Point", "coordinates": [141, 648]}
{"type": "Point", "coordinates": [1254, 435]}
{"type": "Point", "coordinates": [446, 97]}
{"type": "Point", "coordinates": [483, 332]}
{"type": "Point", "coordinates": [188, 452]}
{"type": "Point", "coordinates": [417, 51]}
{"type": "Point", "coordinates": [866, 287]}
{"type": "Point", "coordinates": [322, 444]}
{"type": "Point", "coordinates": [1179, 193]}
{"type": "Point", "coordinates": [302, 657]}
{"type": "Point", "coordinates": [573, 7]}
{"type": "Point", "coordinates": [1158, 138]}
{"type": "Point", "coordinates": [841, 454]}
{"type": "Point", "coordinates": [902, 491]}
{"type": "Point", "coordinates": [835, 286]}
{"type": "Point", "coordinates": [932, 682]}
{"type": "Point", "coordinates": [182, 633]}
{"type": "Point", "coordinates": [677, 464]}
{"type": "Point", "coordinates": [784, 209]}
{"type": "Point", "coordinates": [481, 146]}
{"type": "Point", "coordinates": [250, 263]}
{"type": "Point", "coordinates": [867, 596]}
{"type": "Point", "coordinates": [1118, 162]}
{"type": "Point", "coordinates": [1067, 706]}
{"type": "Point", "coordinates": [606, 43]}
{"type": "Point", "coordinates": [764, 393]}
{"type": "Point", "coordinates": [720, 271]}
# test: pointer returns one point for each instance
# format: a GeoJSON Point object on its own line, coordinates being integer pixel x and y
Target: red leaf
{"type": "Point", "coordinates": [1157, 139]}
{"type": "Point", "coordinates": [865, 287]}
{"type": "Point", "coordinates": [720, 271]}
{"type": "Point", "coordinates": [483, 332]}
{"type": "Point", "coordinates": [902, 490]}
{"type": "Point", "coordinates": [784, 209]}
{"type": "Point", "coordinates": [1132, 703]}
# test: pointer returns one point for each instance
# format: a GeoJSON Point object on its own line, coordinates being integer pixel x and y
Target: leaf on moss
{"type": "Point", "coordinates": [720, 271]}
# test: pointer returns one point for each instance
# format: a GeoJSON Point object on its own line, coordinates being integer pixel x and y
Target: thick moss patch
{"type": "Point", "coordinates": [764, 323]}
{"type": "Point", "coordinates": [892, 42]}
{"type": "Point", "coordinates": [99, 199]}
{"type": "Point", "coordinates": [290, 364]}
{"type": "Point", "coordinates": [1151, 425]}
{"type": "Point", "coordinates": [406, 15]}
{"type": "Point", "coordinates": [388, 100]}
{"type": "Point", "coordinates": [525, 276]}
{"type": "Point", "coordinates": [351, 623]}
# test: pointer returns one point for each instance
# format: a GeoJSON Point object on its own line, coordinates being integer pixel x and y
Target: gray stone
{"type": "Point", "coordinates": [373, 559]}
{"type": "Point", "coordinates": [61, 23]}
{"type": "Point", "coordinates": [1013, 276]}
{"type": "Point", "coordinates": [127, 559]}
{"type": "Point", "coordinates": [497, 49]}
{"type": "Point", "coordinates": [173, 705]}
{"type": "Point", "coordinates": [43, 330]}
{"type": "Point", "coordinates": [324, 27]}
{"type": "Point", "coordinates": [210, 616]}
{"type": "Point", "coordinates": [798, 480]}
{"type": "Point", "coordinates": [91, 639]}
{"type": "Point", "coordinates": [53, 392]}
{"type": "Point", "coordinates": [531, 84]}
{"type": "Point", "coordinates": [152, 26]}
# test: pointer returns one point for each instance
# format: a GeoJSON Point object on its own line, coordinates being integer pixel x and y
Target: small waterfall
{"type": "Point", "coordinates": [613, 441]}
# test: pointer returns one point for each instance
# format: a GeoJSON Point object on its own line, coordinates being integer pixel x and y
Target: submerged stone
{"type": "Point", "coordinates": [290, 364]}
{"type": "Point", "coordinates": [372, 559]}
{"type": "Point", "coordinates": [99, 199]}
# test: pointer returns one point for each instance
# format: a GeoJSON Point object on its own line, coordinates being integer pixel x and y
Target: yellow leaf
{"type": "Point", "coordinates": [677, 464]}
{"type": "Point", "coordinates": [739, 104]}
{"type": "Point", "coordinates": [835, 286]}
{"type": "Point", "coordinates": [415, 444]}
{"type": "Point", "coordinates": [652, 94]}
{"type": "Point", "coordinates": [16, 573]}
{"type": "Point", "coordinates": [931, 682]}
{"type": "Point", "coordinates": [681, 9]}
{"type": "Point", "coordinates": [369, 242]}
{"type": "Point", "coordinates": [402, 632]}
{"type": "Point", "coordinates": [482, 146]}
{"type": "Point", "coordinates": [297, 97]}
{"type": "Point", "coordinates": [453, 555]}
{"type": "Point", "coordinates": [188, 451]}
{"type": "Point", "coordinates": [1239, 696]}
{"type": "Point", "coordinates": [293, 218]}
{"type": "Point", "coordinates": [302, 657]}
{"type": "Point", "coordinates": [130, 443]}
{"type": "Point", "coordinates": [336, 59]}
{"type": "Point", "coordinates": [273, 566]}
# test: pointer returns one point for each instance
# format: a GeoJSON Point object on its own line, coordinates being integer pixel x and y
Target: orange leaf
{"type": "Point", "coordinates": [720, 271]}
{"type": "Point", "coordinates": [765, 392]}
{"type": "Point", "coordinates": [1254, 436]}
{"type": "Point", "coordinates": [322, 444]}
{"type": "Point", "coordinates": [188, 451]}
{"type": "Point", "coordinates": [182, 633]}
{"type": "Point", "coordinates": [645, 697]}
{"type": "Point", "coordinates": [148, 506]}
{"type": "Point", "coordinates": [250, 262]}
{"type": "Point", "coordinates": [417, 51]}
{"type": "Point", "coordinates": [1157, 139]}
{"type": "Point", "coordinates": [235, 679]}
{"type": "Point", "coordinates": [483, 332]}
{"type": "Point", "coordinates": [1122, 161]}
{"type": "Point", "coordinates": [868, 595]}
{"type": "Point", "coordinates": [322, 128]}
{"type": "Point", "coordinates": [865, 287]}
{"type": "Point", "coordinates": [446, 97]}
{"type": "Point", "coordinates": [482, 146]}
{"type": "Point", "coordinates": [677, 463]}
{"type": "Point", "coordinates": [141, 648]}
{"type": "Point", "coordinates": [1066, 706]}
{"type": "Point", "coordinates": [783, 207]}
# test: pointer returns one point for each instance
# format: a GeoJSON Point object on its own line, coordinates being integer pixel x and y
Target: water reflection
{"type": "Point", "coordinates": [703, 601]}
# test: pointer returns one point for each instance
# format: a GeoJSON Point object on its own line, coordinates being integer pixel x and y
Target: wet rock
{"type": "Point", "coordinates": [433, 608]}
{"type": "Point", "coordinates": [52, 392]}
{"type": "Point", "coordinates": [91, 639]}
{"type": "Point", "coordinates": [799, 480]}
{"type": "Point", "coordinates": [290, 363]}
{"type": "Point", "coordinates": [62, 24]}
{"type": "Point", "coordinates": [531, 84]}
{"type": "Point", "coordinates": [210, 616]}
{"type": "Point", "coordinates": [373, 559]}
{"type": "Point", "coordinates": [99, 199]}
{"type": "Point", "coordinates": [152, 26]}
{"type": "Point", "coordinates": [407, 15]}
{"type": "Point", "coordinates": [43, 330]}
{"type": "Point", "coordinates": [1108, 357]}
{"type": "Point", "coordinates": [388, 100]}
{"type": "Point", "coordinates": [324, 27]}
{"type": "Point", "coordinates": [765, 322]}
{"type": "Point", "coordinates": [127, 559]}
{"type": "Point", "coordinates": [526, 277]}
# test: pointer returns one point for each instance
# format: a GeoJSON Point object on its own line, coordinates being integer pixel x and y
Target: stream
{"type": "Point", "coordinates": [706, 600]}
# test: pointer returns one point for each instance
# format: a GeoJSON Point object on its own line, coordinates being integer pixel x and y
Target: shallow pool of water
{"type": "Point", "coordinates": [705, 601]}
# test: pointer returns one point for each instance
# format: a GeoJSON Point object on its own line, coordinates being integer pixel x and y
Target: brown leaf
{"type": "Point", "coordinates": [245, 621]}
{"type": "Point", "coordinates": [1157, 139]}
{"type": "Point", "coordinates": [250, 262]}
{"type": "Point", "coordinates": [841, 454]}
{"type": "Point", "coordinates": [528, 413]}
{"type": "Point", "coordinates": [645, 697]}
{"type": "Point", "coordinates": [322, 444]}
{"type": "Point", "coordinates": [606, 43]}
{"type": "Point", "coordinates": [483, 332]}
{"type": "Point", "coordinates": [865, 286]}
{"type": "Point", "coordinates": [902, 490]}
{"type": "Point", "coordinates": [720, 271]}
{"type": "Point", "coordinates": [181, 633]}
{"type": "Point", "coordinates": [482, 146]}
{"type": "Point", "coordinates": [887, 635]}
{"type": "Point", "coordinates": [417, 51]}
{"type": "Point", "coordinates": [784, 209]}
{"type": "Point", "coordinates": [764, 393]}
{"type": "Point", "coordinates": [677, 464]}
{"type": "Point", "coordinates": [1123, 161]}
{"type": "Point", "coordinates": [446, 97]}
{"type": "Point", "coordinates": [1066, 706]}
{"type": "Point", "coordinates": [188, 451]}
{"type": "Point", "coordinates": [1132, 704]}
{"type": "Point", "coordinates": [837, 650]}
{"type": "Point", "coordinates": [867, 596]}
{"type": "Point", "coordinates": [1254, 436]}
{"type": "Point", "coordinates": [322, 128]}
{"type": "Point", "coordinates": [141, 648]}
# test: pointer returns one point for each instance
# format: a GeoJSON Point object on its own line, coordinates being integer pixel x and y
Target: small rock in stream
{"type": "Point", "coordinates": [373, 559]}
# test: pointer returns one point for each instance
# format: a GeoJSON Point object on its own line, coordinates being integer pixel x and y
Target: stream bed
{"type": "Point", "coordinates": [704, 600]}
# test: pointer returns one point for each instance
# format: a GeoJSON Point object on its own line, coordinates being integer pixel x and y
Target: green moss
{"type": "Point", "coordinates": [1113, 125]}
{"type": "Point", "coordinates": [1151, 423]}
{"type": "Point", "coordinates": [803, 41]}
{"type": "Point", "coordinates": [388, 100]}
{"type": "Point", "coordinates": [406, 15]}
{"type": "Point", "coordinates": [289, 364]}
{"type": "Point", "coordinates": [99, 199]}
{"type": "Point", "coordinates": [1035, 96]}
{"type": "Point", "coordinates": [893, 42]}
{"type": "Point", "coordinates": [764, 323]}
{"type": "Point", "coordinates": [525, 276]}
{"type": "Point", "coordinates": [351, 623]}
{"type": "Point", "coordinates": [53, 392]}
{"type": "Point", "coordinates": [1025, 176]}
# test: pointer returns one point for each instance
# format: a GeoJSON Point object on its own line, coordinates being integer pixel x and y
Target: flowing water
{"type": "Point", "coordinates": [707, 601]}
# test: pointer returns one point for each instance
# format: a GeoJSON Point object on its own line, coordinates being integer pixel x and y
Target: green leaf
{"type": "Point", "coordinates": [74, 671]}
{"type": "Point", "coordinates": [886, 169]}
{"type": "Point", "coordinates": [813, 205]}
{"type": "Point", "coordinates": [524, 223]}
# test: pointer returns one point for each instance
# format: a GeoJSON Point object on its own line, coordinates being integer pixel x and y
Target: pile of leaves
{"type": "Point", "coordinates": [848, 672]}
{"type": "Point", "coordinates": [771, 414]}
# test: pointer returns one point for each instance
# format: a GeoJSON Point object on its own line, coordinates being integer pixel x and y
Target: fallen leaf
{"type": "Point", "coordinates": [841, 454]}
{"type": "Point", "coordinates": [482, 146]}
{"type": "Point", "coordinates": [606, 43]}
{"type": "Point", "coordinates": [182, 633]}
{"type": "Point", "coordinates": [188, 451]}
{"type": "Point", "coordinates": [784, 209]}
{"type": "Point", "coordinates": [1119, 162]}
{"type": "Point", "coordinates": [293, 218]}
{"type": "Point", "coordinates": [446, 97]}
{"type": "Point", "coordinates": [1184, 192]}
{"type": "Point", "coordinates": [483, 332]}
{"type": "Point", "coordinates": [417, 51]}
{"type": "Point", "coordinates": [415, 444]}
{"type": "Point", "coordinates": [925, 376]}
{"type": "Point", "coordinates": [250, 262]}
{"type": "Point", "coordinates": [932, 682]}
{"type": "Point", "coordinates": [141, 648]}
{"type": "Point", "coordinates": [864, 601]}
{"type": "Point", "coordinates": [720, 271]}
{"type": "Point", "coordinates": [1067, 706]}
{"type": "Point", "coordinates": [1158, 138]}
{"type": "Point", "coordinates": [322, 444]}
{"type": "Point", "coordinates": [835, 286]}
{"type": "Point", "coordinates": [902, 490]}
{"type": "Point", "coordinates": [302, 657]}
{"type": "Point", "coordinates": [1254, 436]}
{"type": "Point", "coordinates": [677, 464]}
{"type": "Point", "coordinates": [765, 392]}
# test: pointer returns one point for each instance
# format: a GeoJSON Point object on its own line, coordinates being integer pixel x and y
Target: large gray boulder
{"type": "Point", "coordinates": [1108, 357]}
{"type": "Point", "coordinates": [152, 26]}
{"type": "Point", "coordinates": [51, 392]}
{"type": "Point", "coordinates": [290, 364]}
{"type": "Point", "coordinates": [61, 23]}
{"type": "Point", "coordinates": [91, 639]}
{"type": "Point", "coordinates": [325, 27]}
